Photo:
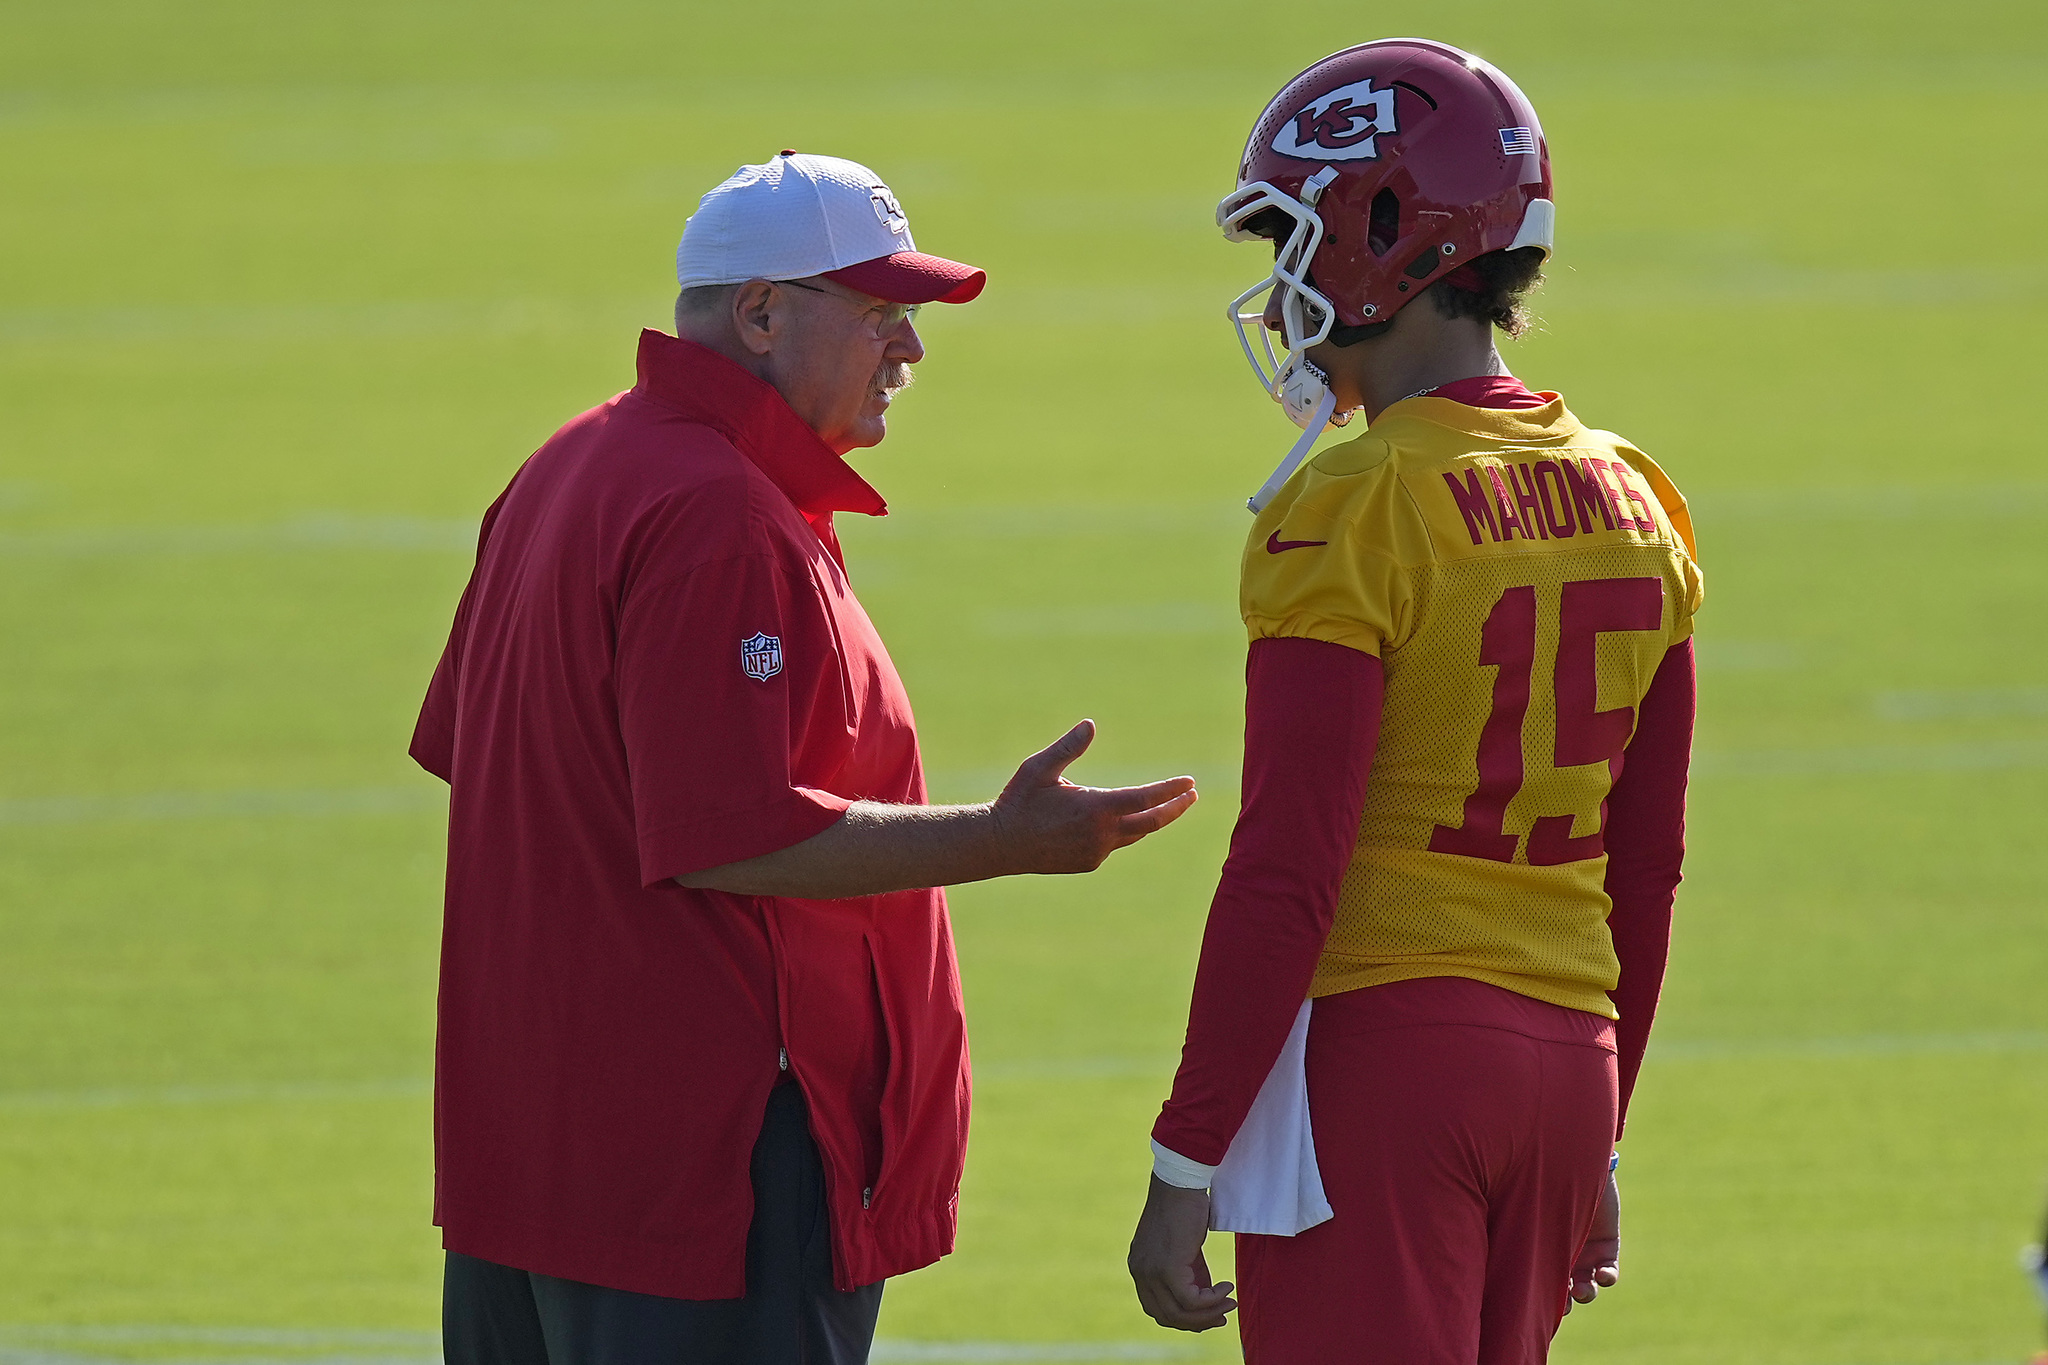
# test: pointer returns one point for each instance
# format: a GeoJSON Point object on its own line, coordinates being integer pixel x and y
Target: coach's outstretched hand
{"type": "Point", "coordinates": [1041, 823]}
{"type": "Point", "coordinates": [1599, 1263]}
{"type": "Point", "coordinates": [1051, 825]}
{"type": "Point", "coordinates": [1166, 1261]}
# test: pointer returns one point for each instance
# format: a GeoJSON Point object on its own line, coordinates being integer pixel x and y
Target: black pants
{"type": "Point", "coordinates": [495, 1315]}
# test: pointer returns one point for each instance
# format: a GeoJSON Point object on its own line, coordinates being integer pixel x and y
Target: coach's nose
{"type": "Point", "coordinates": [905, 344]}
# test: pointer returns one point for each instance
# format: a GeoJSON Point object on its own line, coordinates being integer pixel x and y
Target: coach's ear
{"type": "Point", "coordinates": [757, 315]}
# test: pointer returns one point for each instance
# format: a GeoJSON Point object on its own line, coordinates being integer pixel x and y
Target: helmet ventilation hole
{"type": "Point", "coordinates": [1383, 226]}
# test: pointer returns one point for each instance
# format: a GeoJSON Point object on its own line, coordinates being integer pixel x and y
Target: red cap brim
{"type": "Point", "coordinates": [913, 277]}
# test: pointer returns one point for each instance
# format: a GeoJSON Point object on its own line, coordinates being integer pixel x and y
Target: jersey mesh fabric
{"type": "Point", "coordinates": [1451, 540]}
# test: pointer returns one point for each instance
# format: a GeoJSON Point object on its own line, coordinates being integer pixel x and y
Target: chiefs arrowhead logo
{"type": "Point", "coordinates": [888, 210]}
{"type": "Point", "coordinates": [1341, 125]}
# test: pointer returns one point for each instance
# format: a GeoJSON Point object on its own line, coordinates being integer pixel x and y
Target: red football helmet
{"type": "Point", "coordinates": [1379, 171]}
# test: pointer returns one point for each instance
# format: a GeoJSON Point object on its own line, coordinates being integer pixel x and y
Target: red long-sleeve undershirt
{"type": "Point", "coordinates": [1312, 718]}
{"type": "Point", "coordinates": [1645, 842]}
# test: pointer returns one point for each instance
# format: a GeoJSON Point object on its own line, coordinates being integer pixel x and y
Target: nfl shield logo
{"type": "Point", "coordinates": [761, 656]}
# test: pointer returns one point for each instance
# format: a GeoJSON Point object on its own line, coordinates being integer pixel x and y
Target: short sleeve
{"type": "Point", "coordinates": [1668, 497]}
{"type": "Point", "coordinates": [1324, 563]}
{"type": "Point", "coordinates": [433, 737]}
{"type": "Point", "coordinates": [1692, 591]}
{"type": "Point", "coordinates": [722, 676]}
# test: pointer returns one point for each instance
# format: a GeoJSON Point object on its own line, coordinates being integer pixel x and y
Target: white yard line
{"type": "Point", "coordinates": [323, 324]}
{"type": "Point", "coordinates": [1874, 759]}
{"type": "Point", "coordinates": [981, 784]}
{"type": "Point", "coordinates": [79, 1345]}
{"type": "Point", "coordinates": [255, 1092]}
{"type": "Point", "coordinates": [1004, 521]}
{"type": "Point", "coordinates": [1028, 1071]}
{"type": "Point", "coordinates": [204, 805]}
{"type": "Point", "coordinates": [160, 1334]}
{"type": "Point", "coordinates": [11, 1355]}
{"type": "Point", "coordinates": [975, 1352]}
{"type": "Point", "coordinates": [313, 531]}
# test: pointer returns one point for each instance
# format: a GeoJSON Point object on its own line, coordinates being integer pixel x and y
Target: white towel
{"type": "Point", "coordinates": [1268, 1181]}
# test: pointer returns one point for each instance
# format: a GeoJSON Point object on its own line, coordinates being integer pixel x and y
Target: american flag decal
{"type": "Point", "coordinates": [1518, 141]}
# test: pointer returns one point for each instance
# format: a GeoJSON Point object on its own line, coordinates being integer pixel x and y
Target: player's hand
{"type": "Point", "coordinates": [1048, 824]}
{"type": "Point", "coordinates": [1599, 1263]}
{"type": "Point", "coordinates": [1166, 1261]}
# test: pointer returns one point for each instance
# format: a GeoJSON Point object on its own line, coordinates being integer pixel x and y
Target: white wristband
{"type": "Point", "coordinates": [1174, 1169]}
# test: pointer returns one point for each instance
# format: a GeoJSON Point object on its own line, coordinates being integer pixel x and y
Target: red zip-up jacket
{"type": "Point", "coordinates": [658, 667]}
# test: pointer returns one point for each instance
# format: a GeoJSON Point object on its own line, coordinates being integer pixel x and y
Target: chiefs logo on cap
{"type": "Point", "coordinates": [1342, 125]}
{"type": "Point", "coordinates": [889, 211]}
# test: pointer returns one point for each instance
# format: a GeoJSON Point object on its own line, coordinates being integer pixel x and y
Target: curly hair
{"type": "Point", "coordinates": [1508, 277]}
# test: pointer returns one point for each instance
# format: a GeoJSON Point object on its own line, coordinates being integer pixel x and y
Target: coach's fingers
{"type": "Point", "coordinates": [1131, 828]}
{"type": "Point", "coordinates": [1130, 800]}
{"type": "Point", "coordinates": [1587, 1287]}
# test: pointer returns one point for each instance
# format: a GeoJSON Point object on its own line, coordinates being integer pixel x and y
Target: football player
{"type": "Point", "coordinates": [1469, 718]}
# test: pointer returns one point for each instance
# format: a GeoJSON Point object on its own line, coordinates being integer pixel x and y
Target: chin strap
{"type": "Point", "coordinates": [1316, 423]}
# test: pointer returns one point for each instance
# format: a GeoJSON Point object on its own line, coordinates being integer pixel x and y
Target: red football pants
{"type": "Point", "coordinates": [1463, 1133]}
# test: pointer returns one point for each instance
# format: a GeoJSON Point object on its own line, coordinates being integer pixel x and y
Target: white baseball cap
{"type": "Point", "coordinates": [802, 215]}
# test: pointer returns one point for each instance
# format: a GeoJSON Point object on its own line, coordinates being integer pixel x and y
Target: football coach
{"type": "Point", "coordinates": [701, 1078]}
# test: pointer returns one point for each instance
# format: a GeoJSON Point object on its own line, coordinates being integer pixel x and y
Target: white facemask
{"type": "Point", "coordinates": [1306, 316]}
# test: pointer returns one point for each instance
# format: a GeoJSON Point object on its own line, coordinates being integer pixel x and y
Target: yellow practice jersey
{"type": "Point", "coordinates": [1520, 578]}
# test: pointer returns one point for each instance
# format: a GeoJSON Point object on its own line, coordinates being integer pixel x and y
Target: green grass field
{"type": "Point", "coordinates": [286, 293]}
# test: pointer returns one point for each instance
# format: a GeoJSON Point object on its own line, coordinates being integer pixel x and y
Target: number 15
{"type": "Point", "coordinates": [1584, 735]}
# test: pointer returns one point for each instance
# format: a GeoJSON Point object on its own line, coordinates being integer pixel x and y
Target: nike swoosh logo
{"type": "Point", "coordinates": [1275, 545]}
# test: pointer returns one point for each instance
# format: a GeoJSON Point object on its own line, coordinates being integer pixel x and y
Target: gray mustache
{"type": "Point", "coordinates": [894, 377]}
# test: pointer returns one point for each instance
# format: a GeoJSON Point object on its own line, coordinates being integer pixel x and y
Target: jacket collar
{"type": "Point", "coordinates": [705, 387]}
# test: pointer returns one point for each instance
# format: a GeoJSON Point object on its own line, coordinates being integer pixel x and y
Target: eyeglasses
{"type": "Point", "coordinates": [882, 320]}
